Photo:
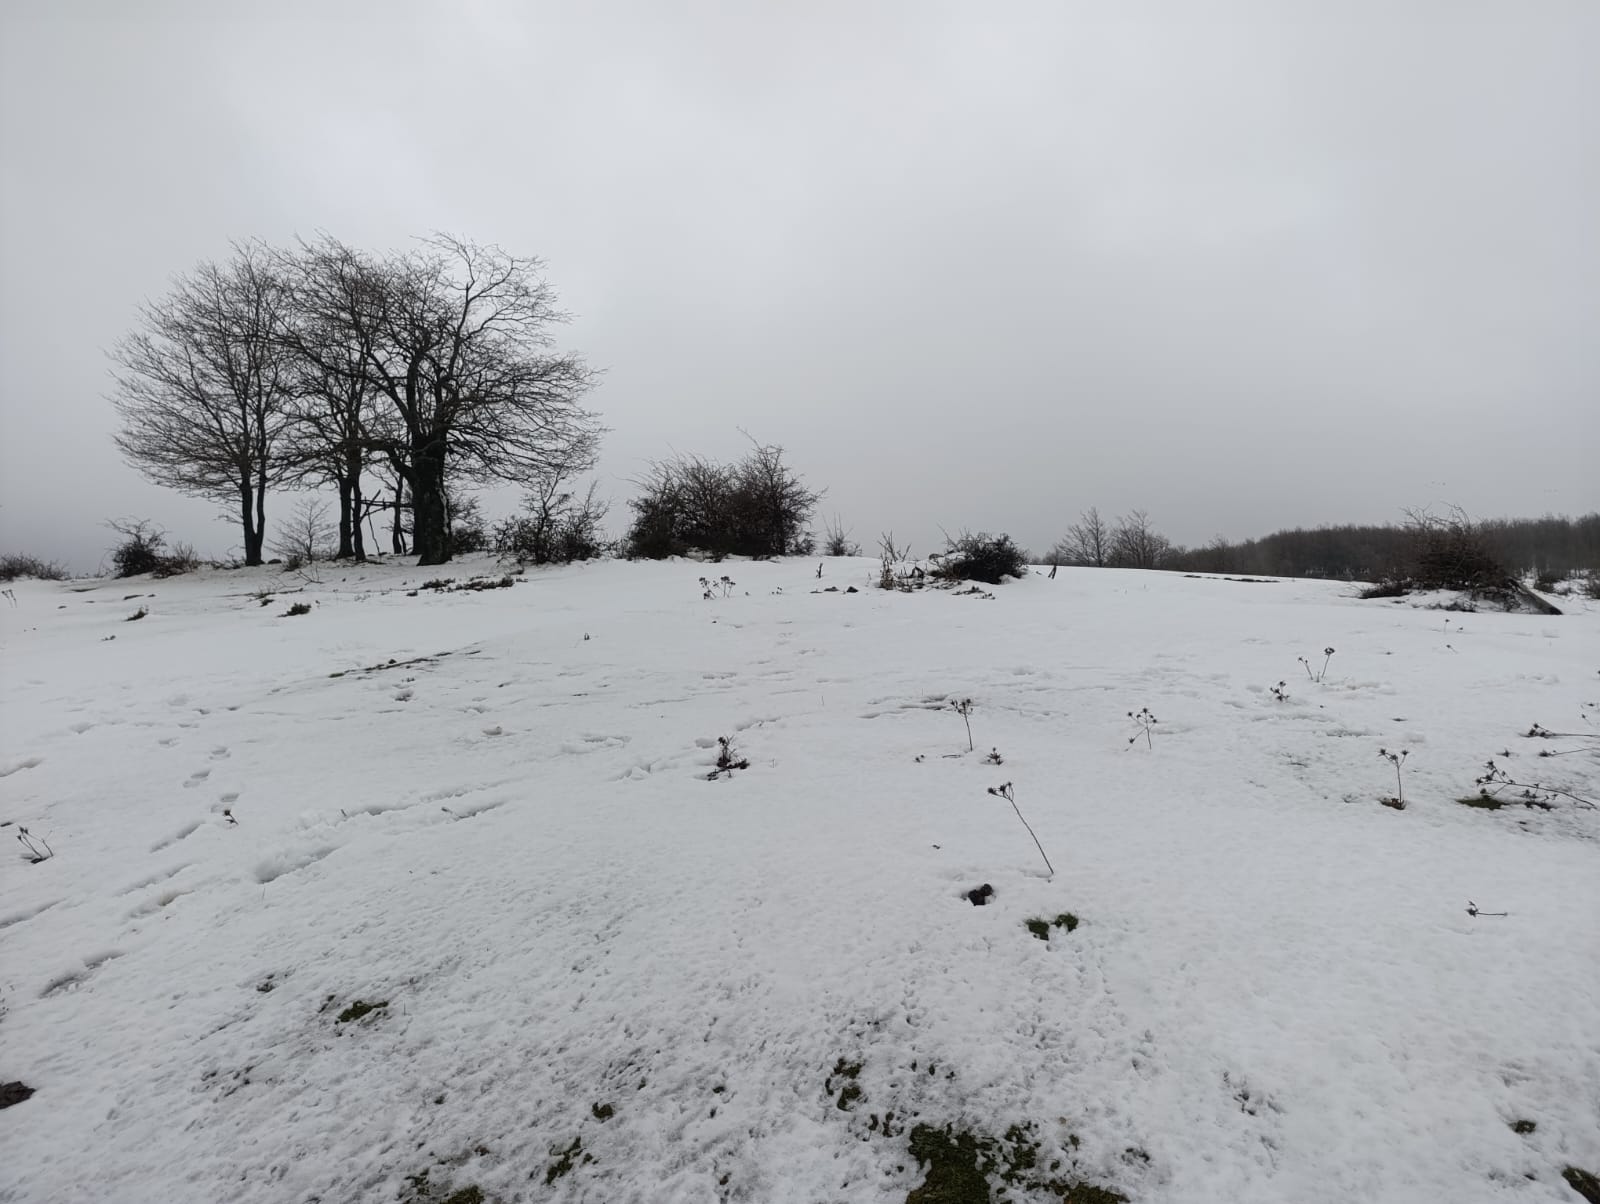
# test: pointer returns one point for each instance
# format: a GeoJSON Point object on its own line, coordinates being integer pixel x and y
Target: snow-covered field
{"type": "Point", "coordinates": [604, 978]}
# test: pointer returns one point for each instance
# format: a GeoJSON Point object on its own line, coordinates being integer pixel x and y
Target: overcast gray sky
{"type": "Point", "coordinates": [1243, 265]}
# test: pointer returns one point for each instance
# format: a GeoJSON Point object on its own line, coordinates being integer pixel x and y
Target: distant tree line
{"type": "Point", "coordinates": [1545, 547]}
{"type": "Point", "coordinates": [1551, 546]}
{"type": "Point", "coordinates": [420, 372]}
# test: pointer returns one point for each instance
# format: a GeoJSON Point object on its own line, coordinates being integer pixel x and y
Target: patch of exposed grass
{"type": "Point", "coordinates": [565, 1160]}
{"type": "Point", "coordinates": [358, 1009]}
{"type": "Point", "coordinates": [1583, 1182]}
{"type": "Point", "coordinates": [1041, 927]}
{"type": "Point", "coordinates": [960, 1164]}
{"type": "Point", "coordinates": [955, 1174]}
{"type": "Point", "coordinates": [419, 1189]}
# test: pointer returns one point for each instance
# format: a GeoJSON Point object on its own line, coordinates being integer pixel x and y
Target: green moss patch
{"type": "Point", "coordinates": [1583, 1182]}
{"type": "Point", "coordinates": [1041, 927]}
{"type": "Point", "coordinates": [962, 1164]}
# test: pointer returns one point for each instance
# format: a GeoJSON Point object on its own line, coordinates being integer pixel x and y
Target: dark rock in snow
{"type": "Point", "coordinates": [13, 1093]}
{"type": "Point", "coordinates": [980, 895]}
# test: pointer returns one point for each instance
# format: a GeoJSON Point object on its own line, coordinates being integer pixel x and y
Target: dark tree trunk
{"type": "Point", "coordinates": [348, 522]}
{"type": "Point", "coordinates": [430, 518]}
{"type": "Point", "coordinates": [397, 539]}
{"type": "Point", "coordinates": [358, 547]}
{"type": "Point", "coordinates": [250, 516]}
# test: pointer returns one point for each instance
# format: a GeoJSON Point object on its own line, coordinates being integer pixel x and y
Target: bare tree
{"type": "Point", "coordinates": [305, 536]}
{"type": "Point", "coordinates": [1135, 544]}
{"type": "Point", "coordinates": [1087, 542]}
{"type": "Point", "coordinates": [457, 345]}
{"type": "Point", "coordinates": [335, 425]}
{"type": "Point", "coordinates": [203, 384]}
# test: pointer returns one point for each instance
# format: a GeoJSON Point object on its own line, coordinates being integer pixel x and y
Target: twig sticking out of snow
{"type": "Point", "coordinates": [1005, 792]}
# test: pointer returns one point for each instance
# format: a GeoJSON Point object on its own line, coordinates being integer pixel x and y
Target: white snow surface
{"type": "Point", "coordinates": [489, 811]}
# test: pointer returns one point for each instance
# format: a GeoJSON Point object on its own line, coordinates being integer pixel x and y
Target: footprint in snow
{"type": "Point", "coordinates": [19, 766]}
{"type": "Point", "coordinates": [196, 778]}
{"type": "Point", "coordinates": [73, 979]}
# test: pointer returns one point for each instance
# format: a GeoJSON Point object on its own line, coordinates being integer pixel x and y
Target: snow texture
{"type": "Point", "coordinates": [489, 812]}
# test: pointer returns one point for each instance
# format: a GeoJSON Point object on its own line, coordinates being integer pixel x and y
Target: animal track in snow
{"type": "Point", "coordinates": [73, 979]}
{"type": "Point", "coordinates": [152, 879]}
{"type": "Point", "coordinates": [272, 868]}
{"type": "Point", "coordinates": [19, 766]}
{"type": "Point", "coordinates": [19, 917]}
{"type": "Point", "coordinates": [156, 902]}
{"type": "Point", "coordinates": [196, 778]}
{"type": "Point", "coordinates": [182, 833]}
{"type": "Point", "coordinates": [474, 809]}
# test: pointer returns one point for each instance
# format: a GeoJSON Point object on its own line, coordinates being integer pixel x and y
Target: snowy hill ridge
{"type": "Point", "coordinates": [438, 896]}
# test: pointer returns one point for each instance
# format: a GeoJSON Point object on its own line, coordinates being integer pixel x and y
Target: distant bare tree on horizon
{"type": "Point", "coordinates": [1135, 544]}
{"type": "Point", "coordinates": [1087, 542]}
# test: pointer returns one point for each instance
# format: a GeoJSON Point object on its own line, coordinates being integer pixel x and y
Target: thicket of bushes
{"type": "Point", "coordinates": [16, 566]}
{"type": "Point", "coordinates": [555, 526]}
{"type": "Point", "coordinates": [756, 507]}
{"type": "Point", "coordinates": [982, 557]}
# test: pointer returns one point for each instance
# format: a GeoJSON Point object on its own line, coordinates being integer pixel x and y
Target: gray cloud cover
{"type": "Point", "coordinates": [1244, 265]}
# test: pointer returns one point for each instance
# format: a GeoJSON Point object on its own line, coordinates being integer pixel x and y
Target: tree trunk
{"type": "Point", "coordinates": [249, 514]}
{"type": "Point", "coordinates": [397, 539]}
{"type": "Point", "coordinates": [430, 518]}
{"type": "Point", "coordinates": [358, 547]}
{"type": "Point", "coordinates": [347, 520]}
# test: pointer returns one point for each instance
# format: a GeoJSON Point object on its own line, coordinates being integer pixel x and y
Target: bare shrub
{"type": "Point", "coordinates": [757, 507]}
{"type": "Point", "coordinates": [836, 540]}
{"type": "Point", "coordinates": [144, 550]}
{"type": "Point", "coordinates": [982, 557]}
{"type": "Point", "coordinates": [15, 566]}
{"type": "Point", "coordinates": [556, 526]}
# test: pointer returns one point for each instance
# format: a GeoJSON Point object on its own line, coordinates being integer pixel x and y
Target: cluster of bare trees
{"type": "Point", "coordinates": [1128, 543]}
{"type": "Point", "coordinates": [425, 370]}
